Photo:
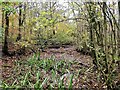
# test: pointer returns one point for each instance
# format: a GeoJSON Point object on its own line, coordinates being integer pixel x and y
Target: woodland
{"type": "Point", "coordinates": [60, 45]}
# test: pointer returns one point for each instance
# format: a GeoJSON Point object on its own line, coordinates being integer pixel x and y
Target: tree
{"type": "Point", "coordinates": [5, 45]}
{"type": "Point", "coordinates": [119, 10]}
{"type": "Point", "coordinates": [2, 17]}
{"type": "Point", "coordinates": [119, 26]}
{"type": "Point", "coordinates": [8, 8]}
{"type": "Point", "coordinates": [20, 22]}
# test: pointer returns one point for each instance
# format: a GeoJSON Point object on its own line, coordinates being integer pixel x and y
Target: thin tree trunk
{"type": "Point", "coordinates": [20, 22]}
{"type": "Point", "coordinates": [52, 12]}
{"type": "Point", "coordinates": [119, 28]}
{"type": "Point", "coordinates": [3, 14]}
{"type": "Point", "coordinates": [5, 46]}
{"type": "Point", "coordinates": [119, 11]}
{"type": "Point", "coordinates": [24, 17]}
{"type": "Point", "coordinates": [2, 18]}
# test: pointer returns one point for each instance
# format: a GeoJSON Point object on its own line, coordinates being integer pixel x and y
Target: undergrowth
{"type": "Point", "coordinates": [39, 73]}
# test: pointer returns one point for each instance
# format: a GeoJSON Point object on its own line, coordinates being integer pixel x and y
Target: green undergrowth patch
{"type": "Point", "coordinates": [49, 73]}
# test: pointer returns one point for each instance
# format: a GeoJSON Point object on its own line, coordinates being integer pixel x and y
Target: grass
{"type": "Point", "coordinates": [50, 73]}
{"type": "Point", "coordinates": [41, 73]}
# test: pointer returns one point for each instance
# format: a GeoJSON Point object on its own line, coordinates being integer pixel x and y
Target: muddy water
{"type": "Point", "coordinates": [67, 53]}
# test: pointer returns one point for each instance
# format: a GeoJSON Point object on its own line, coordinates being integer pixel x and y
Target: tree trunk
{"type": "Point", "coordinates": [5, 46]}
{"type": "Point", "coordinates": [2, 18]}
{"type": "Point", "coordinates": [119, 28]}
{"type": "Point", "coordinates": [20, 22]}
{"type": "Point", "coordinates": [24, 15]}
{"type": "Point", "coordinates": [52, 12]}
{"type": "Point", "coordinates": [119, 10]}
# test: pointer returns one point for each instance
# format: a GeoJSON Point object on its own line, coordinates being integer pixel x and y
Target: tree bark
{"type": "Point", "coordinates": [2, 18]}
{"type": "Point", "coordinates": [52, 12]}
{"type": "Point", "coordinates": [119, 10]}
{"type": "Point", "coordinates": [5, 46]}
{"type": "Point", "coordinates": [119, 28]}
{"type": "Point", "coordinates": [20, 22]}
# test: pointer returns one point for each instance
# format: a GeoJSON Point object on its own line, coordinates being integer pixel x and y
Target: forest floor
{"type": "Point", "coordinates": [86, 77]}
{"type": "Point", "coordinates": [67, 53]}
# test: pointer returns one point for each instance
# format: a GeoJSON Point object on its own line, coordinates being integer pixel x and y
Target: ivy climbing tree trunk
{"type": "Point", "coordinates": [105, 35]}
{"type": "Point", "coordinates": [92, 28]}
